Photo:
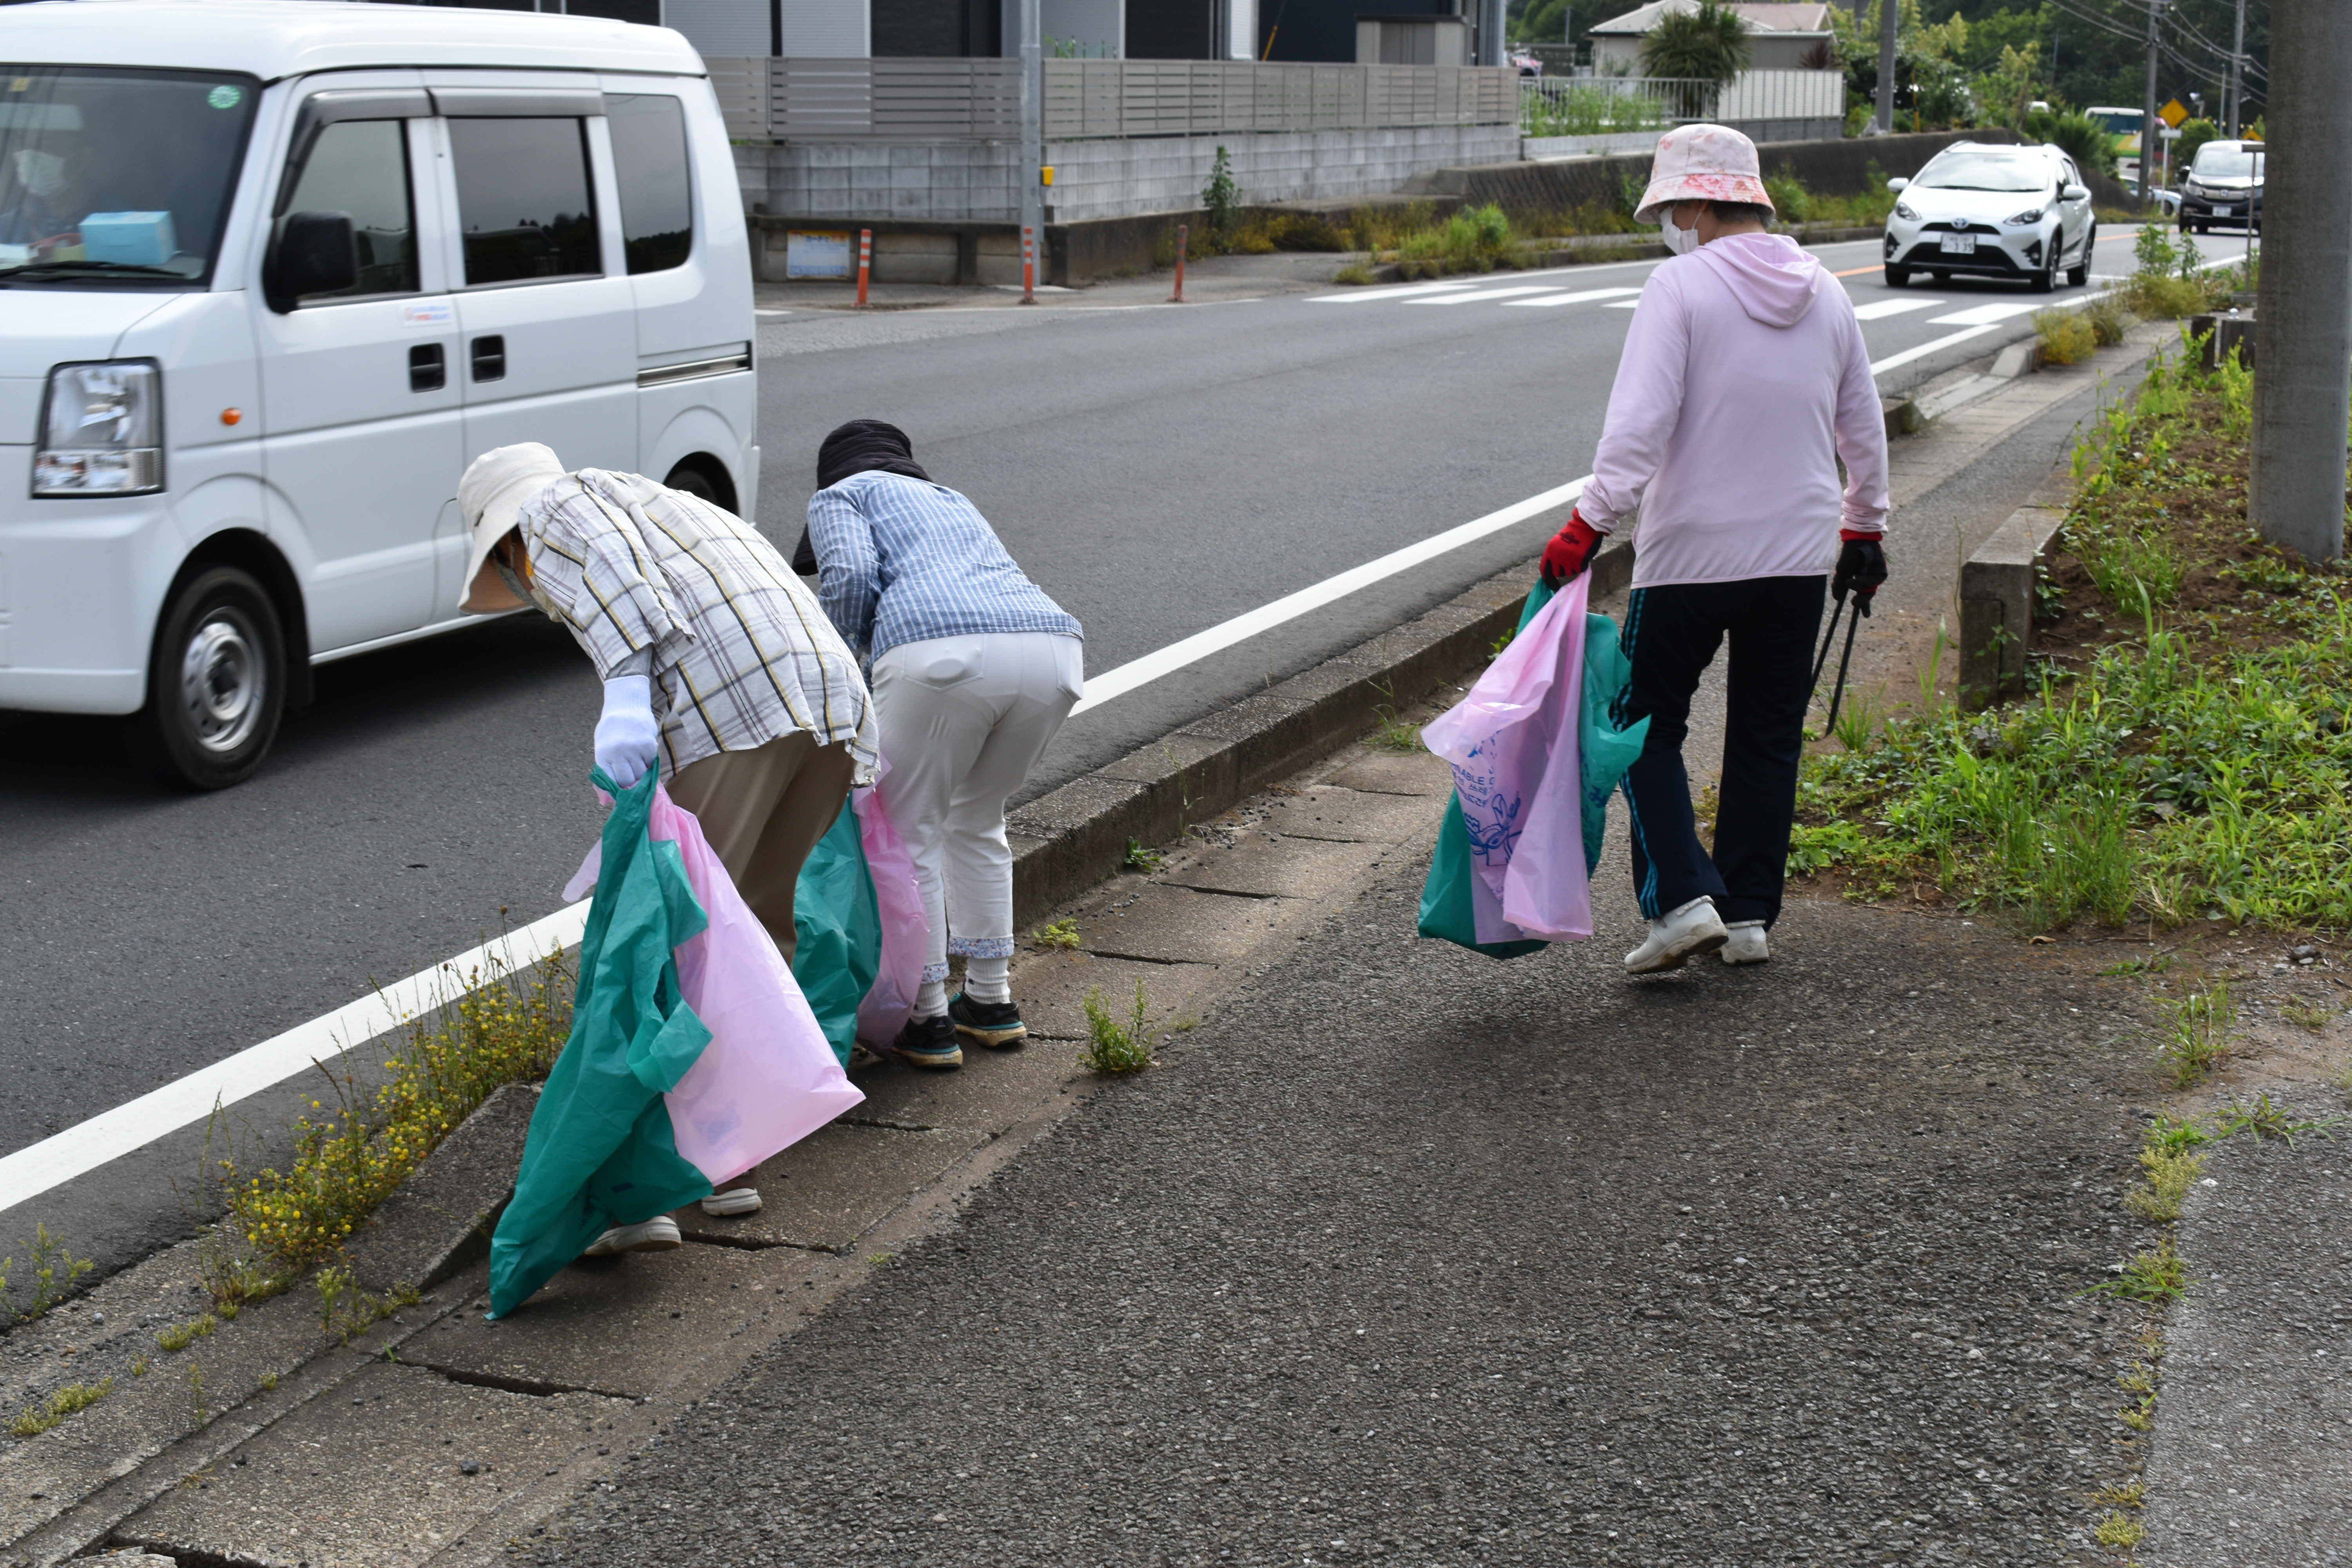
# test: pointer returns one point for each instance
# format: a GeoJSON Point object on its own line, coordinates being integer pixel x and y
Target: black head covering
{"type": "Point", "coordinates": [854, 448]}
{"type": "Point", "coordinates": [862, 445]}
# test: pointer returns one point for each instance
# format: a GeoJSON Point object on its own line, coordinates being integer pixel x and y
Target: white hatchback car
{"type": "Point", "coordinates": [1990, 211]}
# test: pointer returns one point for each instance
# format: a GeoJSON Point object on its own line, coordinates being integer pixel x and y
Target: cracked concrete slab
{"type": "Point", "coordinates": [1053, 998]}
{"type": "Point", "coordinates": [835, 1185]}
{"type": "Point", "coordinates": [1264, 866]}
{"type": "Point", "coordinates": [1394, 772]}
{"type": "Point", "coordinates": [1329, 811]}
{"type": "Point", "coordinates": [994, 1090]}
{"type": "Point", "coordinates": [386, 1490]}
{"type": "Point", "coordinates": [1174, 925]}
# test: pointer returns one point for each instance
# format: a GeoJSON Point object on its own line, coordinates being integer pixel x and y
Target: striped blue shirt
{"type": "Point", "coordinates": [902, 560]}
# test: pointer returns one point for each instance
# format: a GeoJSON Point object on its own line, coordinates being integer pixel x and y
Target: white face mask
{"type": "Point", "coordinates": [41, 173]}
{"type": "Point", "coordinates": [1681, 241]}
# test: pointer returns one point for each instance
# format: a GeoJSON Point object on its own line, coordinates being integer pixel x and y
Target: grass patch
{"type": "Point", "coordinates": [2117, 1530]}
{"type": "Point", "coordinates": [2170, 1172]}
{"type": "Point", "coordinates": [1587, 112]}
{"type": "Point", "coordinates": [1116, 1045]}
{"type": "Point", "coordinates": [2308, 1015]}
{"type": "Point", "coordinates": [1061, 936]}
{"type": "Point", "coordinates": [53, 1268]}
{"type": "Point", "coordinates": [2067, 337]}
{"type": "Point", "coordinates": [1355, 274]}
{"type": "Point", "coordinates": [2154, 1278]}
{"type": "Point", "coordinates": [345, 1309]}
{"type": "Point", "coordinates": [2267, 1118]}
{"type": "Point", "coordinates": [506, 1028]}
{"type": "Point", "coordinates": [70, 1400]}
{"type": "Point", "coordinates": [2132, 1493]}
{"type": "Point", "coordinates": [179, 1336]}
{"type": "Point", "coordinates": [1141, 858]}
{"type": "Point", "coordinates": [2183, 749]}
{"type": "Point", "coordinates": [2197, 1033]}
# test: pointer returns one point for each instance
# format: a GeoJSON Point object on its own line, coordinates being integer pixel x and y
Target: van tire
{"type": "Point", "coordinates": [215, 680]}
{"type": "Point", "coordinates": [689, 479]}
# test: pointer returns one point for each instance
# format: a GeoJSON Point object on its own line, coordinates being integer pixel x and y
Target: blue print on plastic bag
{"type": "Point", "coordinates": [1490, 814]}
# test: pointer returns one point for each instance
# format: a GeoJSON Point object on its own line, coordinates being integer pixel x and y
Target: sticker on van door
{"type": "Point", "coordinates": [432, 314]}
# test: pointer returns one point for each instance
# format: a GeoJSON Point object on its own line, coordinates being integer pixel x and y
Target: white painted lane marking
{"type": "Point", "coordinates": [1621, 304]}
{"type": "Point", "coordinates": [1396, 291]}
{"type": "Point", "coordinates": [1880, 367]}
{"type": "Point", "coordinates": [1886, 308]}
{"type": "Point", "coordinates": [1574, 298]}
{"type": "Point", "coordinates": [1101, 689]}
{"type": "Point", "coordinates": [110, 1135]}
{"type": "Point", "coordinates": [1986, 315]}
{"type": "Point", "coordinates": [1478, 295]}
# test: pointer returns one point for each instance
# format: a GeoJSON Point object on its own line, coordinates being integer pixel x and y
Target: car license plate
{"type": "Point", "coordinates": [2223, 211]}
{"type": "Point", "coordinates": [1959, 244]}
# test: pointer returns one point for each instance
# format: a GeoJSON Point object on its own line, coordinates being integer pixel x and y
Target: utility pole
{"type": "Point", "coordinates": [1889, 14]}
{"type": "Point", "coordinates": [2302, 394]}
{"type": "Point", "coordinates": [2147, 122]}
{"type": "Point", "coordinates": [1490, 32]}
{"type": "Point", "coordinates": [1032, 173]}
{"type": "Point", "coordinates": [2237, 69]}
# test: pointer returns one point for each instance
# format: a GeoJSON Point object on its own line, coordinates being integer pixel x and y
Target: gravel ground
{"type": "Point", "coordinates": [1407, 1256]}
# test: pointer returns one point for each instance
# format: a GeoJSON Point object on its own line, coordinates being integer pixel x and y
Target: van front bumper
{"type": "Point", "coordinates": [81, 582]}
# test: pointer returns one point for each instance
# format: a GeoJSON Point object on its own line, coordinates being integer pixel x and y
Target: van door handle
{"type": "Point", "coordinates": [490, 358]}
{"type": "Point", "coordinates": [428, 369]}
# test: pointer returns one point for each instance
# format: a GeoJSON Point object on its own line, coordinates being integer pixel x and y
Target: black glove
{"type": "Point", "coordinates": [1862, 567]}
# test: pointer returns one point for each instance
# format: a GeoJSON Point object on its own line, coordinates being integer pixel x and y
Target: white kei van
{"type": "Point", "coordinates": [273, 271]}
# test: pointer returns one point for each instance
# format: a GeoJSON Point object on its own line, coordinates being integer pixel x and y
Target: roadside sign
{"type": "Point", "coordinates": [814, 253]}
{"type": "Point", "coordinates": [2173, 113]}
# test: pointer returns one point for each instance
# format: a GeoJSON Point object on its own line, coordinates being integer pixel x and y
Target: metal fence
{"type": "Point", "coordinates": [926, 99]}
{"type": "Point", "coordinates": [1633, 102]}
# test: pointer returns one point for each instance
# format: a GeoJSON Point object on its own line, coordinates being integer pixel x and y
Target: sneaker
{"type": "Point", "coordinates": [734, 1201]}
{"type": "Point", "coordinates": [1748, 944]}
{"type": "Point", "coordinates": [1677, 936]}
{"type": "Point", "coordinates": [658, 1234]}
{"type": "Point", "coordinates": [929, 1043]}
{"type": "Point", "coordinates": [996, 1024]}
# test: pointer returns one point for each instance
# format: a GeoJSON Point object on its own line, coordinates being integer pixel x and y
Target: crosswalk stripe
{"type": "Point", "coordinates": [1478, 295]}
{"type": "Point", "coordinates": [1354, 296]}
{"type": "Point", "coordinates": [1881, 309]}
{"type": "Point", "coordinates": [1578, 298]}
{"type": "Point", "coordinates": [1988, 315]}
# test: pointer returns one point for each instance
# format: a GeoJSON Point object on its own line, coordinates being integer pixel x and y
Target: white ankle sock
{"type": "Point", "coordinates": [988, 979]}
{"type": "Point", "coordinates": [932, 999]}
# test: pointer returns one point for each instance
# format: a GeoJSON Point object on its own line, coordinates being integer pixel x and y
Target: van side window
{"type": "Point", "coordinates": [523, 199]}
{"type": "Point", "coordinates": [361, 167]}
{"type": "Point", "coordinates": [649, 163]}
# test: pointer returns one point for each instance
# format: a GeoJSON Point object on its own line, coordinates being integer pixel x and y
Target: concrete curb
{"type": "Point", "coordinates": [1065, 842]}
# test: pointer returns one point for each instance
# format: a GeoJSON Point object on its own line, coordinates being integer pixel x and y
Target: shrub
{"type": "Point", "coordinates": [2194, 134]}
{"type": "Point", "coordinates": [1116, 1045]}
{"type": "Point", "coordinates": [2091, 144]}
{"type": "Point", "coordinates": [2067, 337]}
{"type": "Point", "coordinates": [1708, 44]}
{"type": "Point", "coordinates": [2110, 317]}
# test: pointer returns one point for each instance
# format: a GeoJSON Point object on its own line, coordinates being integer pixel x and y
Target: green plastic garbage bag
{"type": "Point", "coordinates": [838, 929]}
{"type": "Point", "coordinates": [1605, 752]}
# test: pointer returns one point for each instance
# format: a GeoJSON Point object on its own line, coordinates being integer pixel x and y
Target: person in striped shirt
{"type": "Point", "coordinates": [720, 668]}
{"type": "Point", "coordinates": [973, 668]}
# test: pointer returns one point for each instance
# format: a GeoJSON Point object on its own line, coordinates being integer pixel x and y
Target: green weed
{"type": "Point", "coordinates": [1141, 858]}
{"type": "Point", "coordinates": [70, 1400]}
{"type": "Point", "coordinates": [179, 1336]}
{"type": "Point", "coordinates": [2308, 1015]}
{"type": "Point", "coordinates": [1587, 112]}
{"type": "Point", "coordinates": [2266, 1119]}
{"type": "Point", "coordinates": [268, 1381]}
{"type": "Point", "coordinates": [2153, 1278]}
{"type": "Point", "coordinates": [1061, 935]}
{"type": "Point", "coordinates": [2132, 1493]}
{"type": "Point", "coordinates": [2170, 1175]}
{"type": "Point", "coordinates": [1115, 1045]}
{"type": "Point", "coordinates": [2067, 337]}
{"type": "Point", "coordinates": [345, 1309]}
{"type": "Point", "coordinates": [54, 1269]}
{"type": "Point", "coordinates": [2157, 965]}
{"type": "Point", "coordinates": [1355, 274]}
{"type": "Point", "coordinates": [1391, 733]}
{"type": "Point", "coordinates": [2118, 1530]}
{"type": "Point", "coordinates": [2110, 317]}
{"type": "Point", "coordinates": [2197, 1031]}
{"type": "Point", "coordinates": [139, 1366]}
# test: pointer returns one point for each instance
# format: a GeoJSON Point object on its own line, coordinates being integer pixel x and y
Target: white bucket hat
{"type": "Point", "coordinates": [491, 493]}
{"type": "Point", "coordinates": [1702, 163]}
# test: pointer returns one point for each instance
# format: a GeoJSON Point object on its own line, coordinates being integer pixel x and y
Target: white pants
{"type": "Point", "coordinates": [964, 719]}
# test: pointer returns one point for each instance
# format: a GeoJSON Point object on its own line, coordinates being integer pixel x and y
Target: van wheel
{"type": "Point", "coordinates": [689, 480]}
{"type": "Point", "coordinates": [217, 681]}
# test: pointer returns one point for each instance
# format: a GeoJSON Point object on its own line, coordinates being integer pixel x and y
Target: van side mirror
{"type": "Point", "coordinates": [2076, 194]}
{"type": "Point", "coordinates": [1899, 184]}
{"type": "Point", "coordinates": [318, 253]}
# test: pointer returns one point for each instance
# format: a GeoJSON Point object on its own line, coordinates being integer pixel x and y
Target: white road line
{"type": "Point", "coordinates": [110, 1135]}
{"type": "Point", "coordinates": [1398, 291]}
{"type": "Point", "coordinates": [1477, 295]}
{"type": "Point", "coordinates": [1986, 315]}
{"type": "Point", "coordinates": [1574, 298]}
{"type": "Point", "coordinates": [1621, 304]}
{"type": "Point", "coordinates": [1101, 689]}
{"type": "Point", "coordinates": [1880, 367]}
{"type": "Point", "coordinates": [1886, 308]}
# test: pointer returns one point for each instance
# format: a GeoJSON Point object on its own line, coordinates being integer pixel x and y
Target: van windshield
{"type": "Point", "coordinates": [109, 175]}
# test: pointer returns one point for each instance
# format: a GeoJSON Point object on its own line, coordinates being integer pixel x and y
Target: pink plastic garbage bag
{"type": "Point", "coordinates": [906, 929]}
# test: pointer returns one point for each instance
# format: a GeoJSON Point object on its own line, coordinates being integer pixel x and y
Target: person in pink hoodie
{"type": "Point", "coordinates": [1743, 381]}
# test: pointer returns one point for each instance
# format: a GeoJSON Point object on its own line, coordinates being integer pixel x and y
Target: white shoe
{"type": "Point", "coordinates": [1677, 936]}
{"type": "Point", "coordinates": [1748, 944]}
{"type": "Point", "coordinates": [732, 1201]}
{"type": "Point", "coordinates": [658, 1234]}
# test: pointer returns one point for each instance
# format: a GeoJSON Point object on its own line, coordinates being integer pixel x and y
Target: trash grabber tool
{"type": "Point", "coordinates": [1828, 638]}
{"type": "Point", "coordinates": [1838, 694]}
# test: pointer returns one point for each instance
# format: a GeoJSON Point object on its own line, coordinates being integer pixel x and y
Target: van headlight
{"type": "Point", "coordinates": [101, 430]}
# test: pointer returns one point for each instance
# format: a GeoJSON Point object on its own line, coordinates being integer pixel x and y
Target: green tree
{"type": "Point", "coordinates": [2194, 134]}
{"type": "Point", "coordinates": [1709, 44]}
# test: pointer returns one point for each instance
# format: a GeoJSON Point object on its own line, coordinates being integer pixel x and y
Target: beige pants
{"type": "Point", "coordinates": [764, 810]}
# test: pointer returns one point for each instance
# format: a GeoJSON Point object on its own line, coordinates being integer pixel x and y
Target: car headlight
{"type": "Point", "coordinates": [2030, 215]}
{"type": "Point", "coordinates": [1903, 210]}
{"type": "Point", "coordinates": [101, 430]}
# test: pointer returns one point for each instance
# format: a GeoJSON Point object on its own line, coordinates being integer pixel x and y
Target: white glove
{"type": "Point", "coordinates": [628, 739]}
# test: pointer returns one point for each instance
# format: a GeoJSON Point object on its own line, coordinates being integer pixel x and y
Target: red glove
{"type": "Point", "coordinates": [1570, 551]}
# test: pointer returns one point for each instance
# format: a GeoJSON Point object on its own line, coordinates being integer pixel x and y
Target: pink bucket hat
{"type": "Point", "coordinates": [1702, 163]}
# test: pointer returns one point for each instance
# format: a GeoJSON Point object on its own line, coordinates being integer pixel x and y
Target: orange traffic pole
{"type": "Point", "coordinates": [1028, 264]}
{"type": "Point", "coordinates": [865, 263]}
{"type": "Point", "coordinates": [1183, 243]}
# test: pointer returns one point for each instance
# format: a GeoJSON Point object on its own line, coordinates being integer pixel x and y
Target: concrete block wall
{"type": "Point", "coordinates": [976, 181]}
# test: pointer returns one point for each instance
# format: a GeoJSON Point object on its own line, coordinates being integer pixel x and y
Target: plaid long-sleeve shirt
{"type": "Point", "coordinates": [740, 651]}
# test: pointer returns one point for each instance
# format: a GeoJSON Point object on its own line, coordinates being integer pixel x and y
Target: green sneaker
{"type": "Point", "coordinates": [996, 1024]}
{"type": "Point", "coordinates": [929, 1043]}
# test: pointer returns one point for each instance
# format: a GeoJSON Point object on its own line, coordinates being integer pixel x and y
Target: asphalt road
{"type": "Point", "coordinates": [1157, 470]}
{"type": "Point", "coordinates": [1407, 1256]}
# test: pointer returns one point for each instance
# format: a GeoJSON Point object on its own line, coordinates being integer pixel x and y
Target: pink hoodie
{"type": "Point", "coordinates": [1744, 379]}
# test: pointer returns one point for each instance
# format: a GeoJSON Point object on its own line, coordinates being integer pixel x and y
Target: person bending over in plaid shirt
{"type": "Point", "coordinates": [719, 668]}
